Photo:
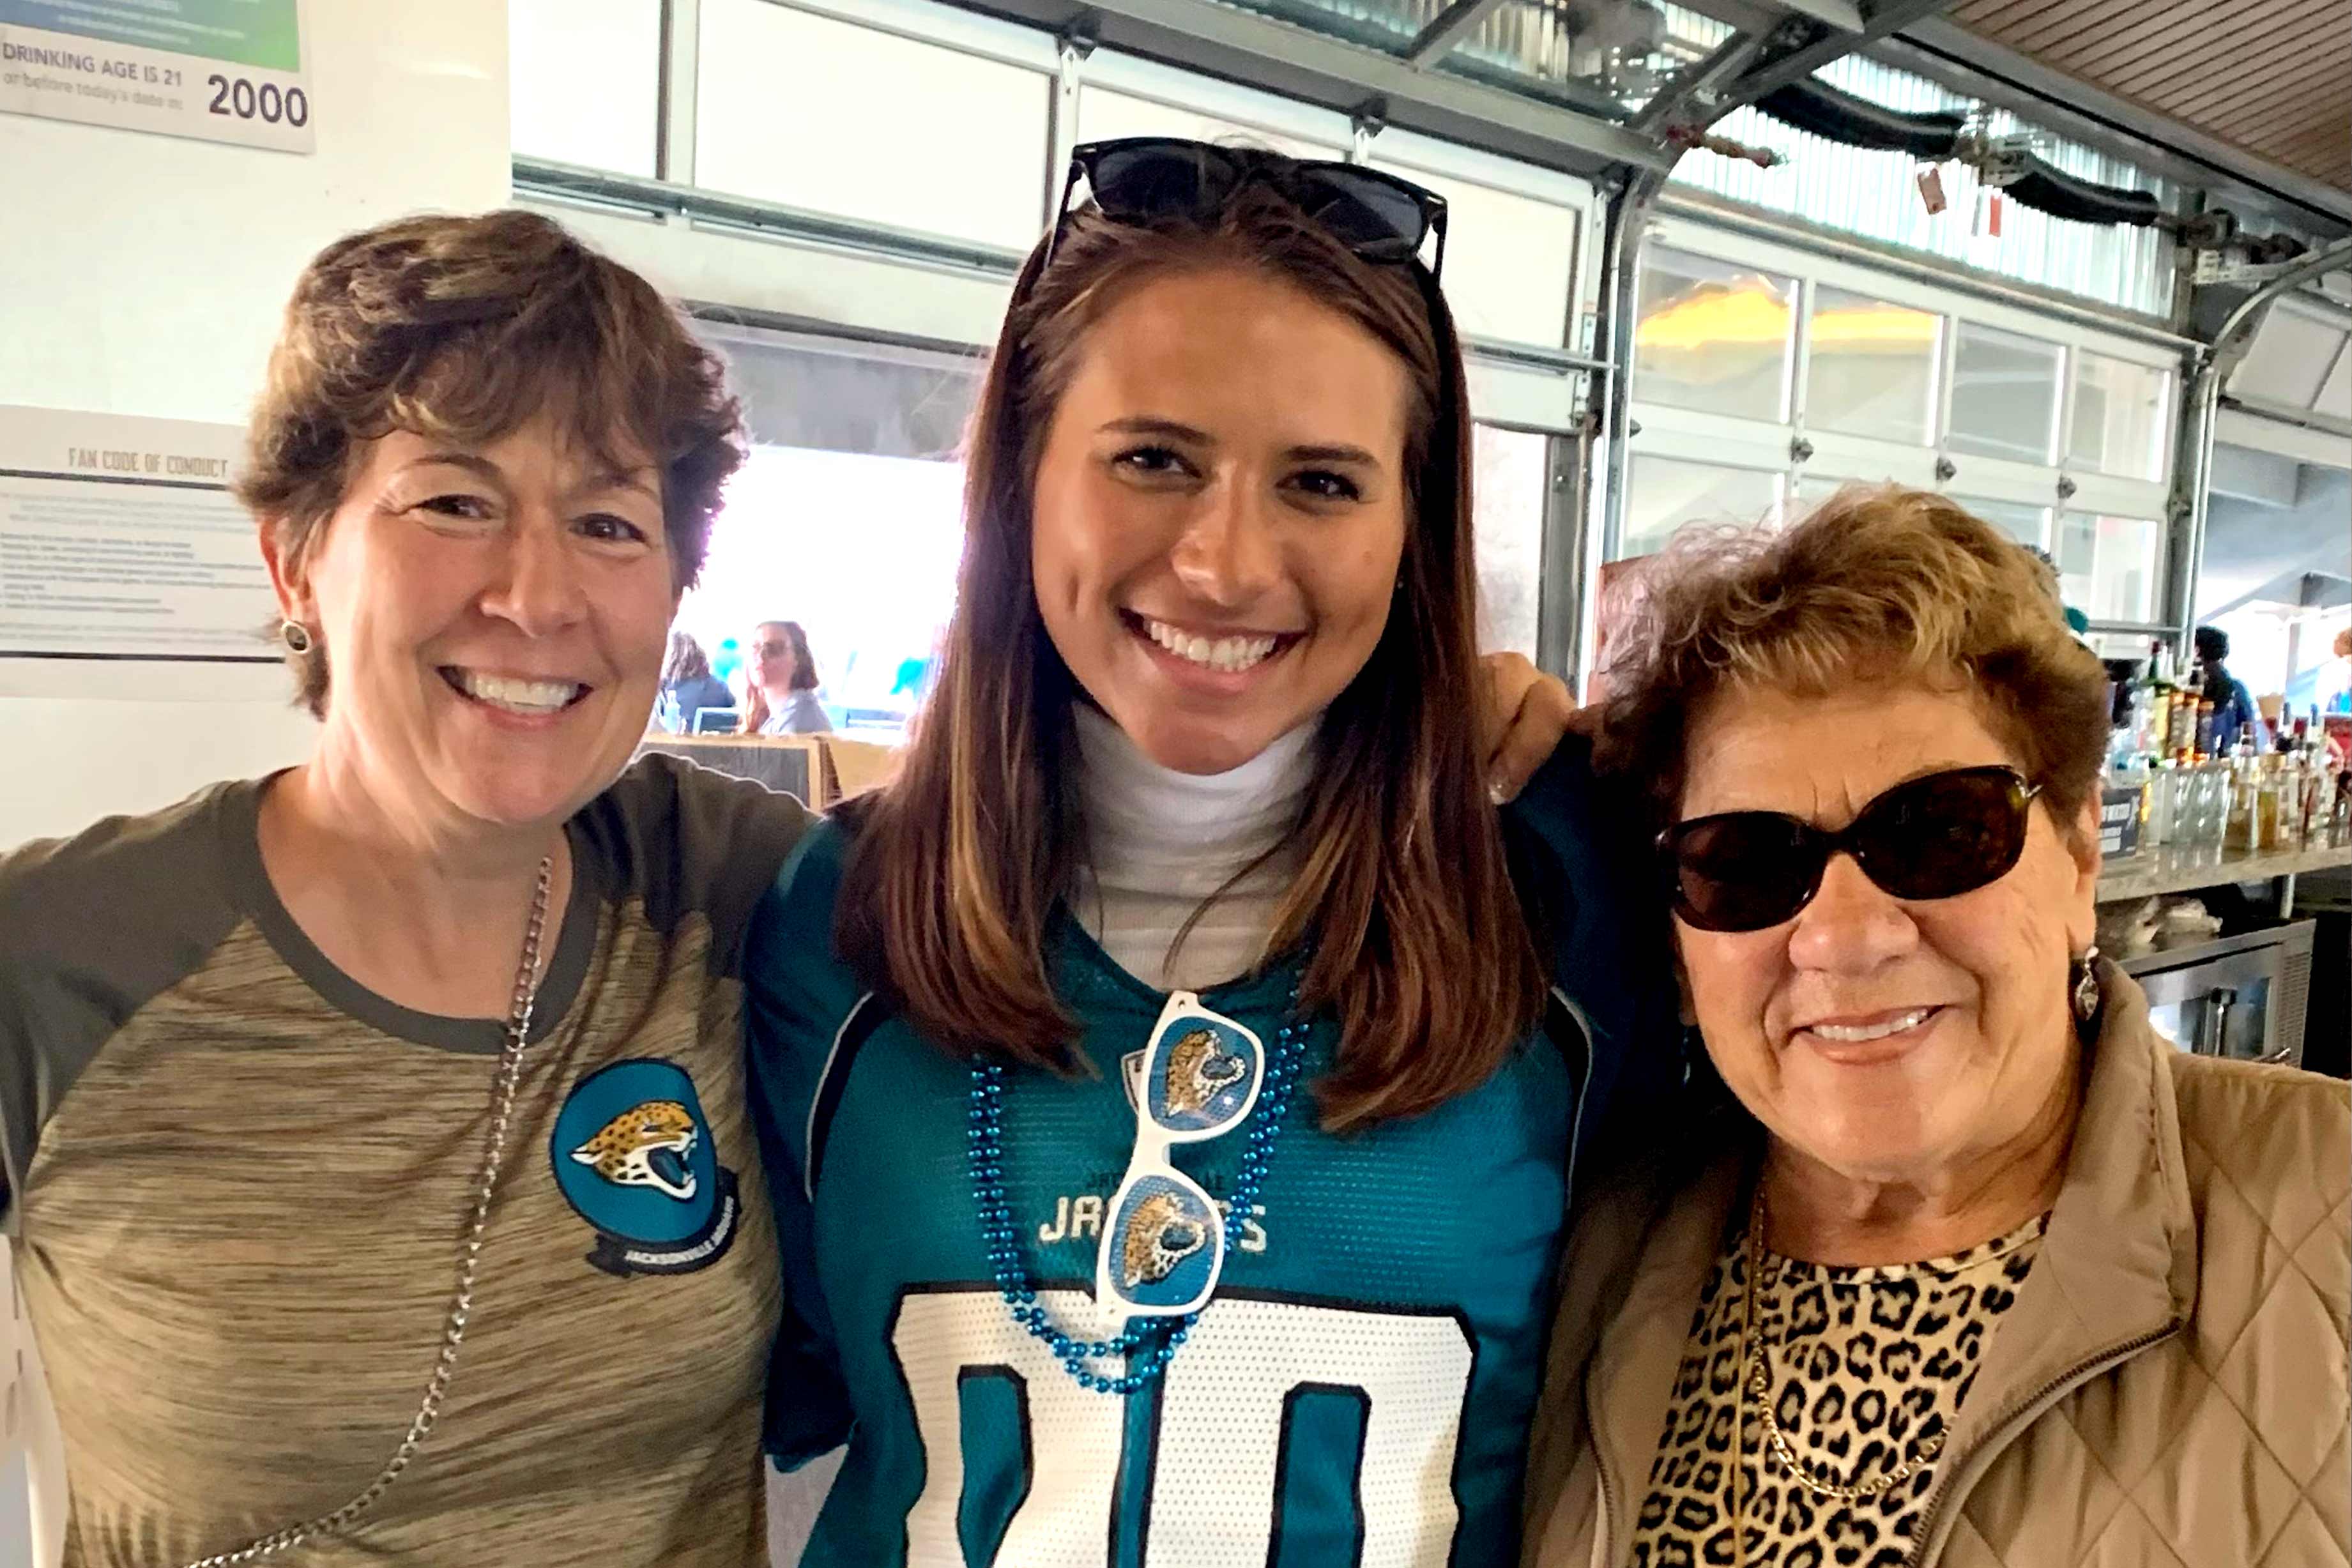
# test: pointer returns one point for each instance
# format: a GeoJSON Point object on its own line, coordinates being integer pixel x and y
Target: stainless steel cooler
{"type": "Point", "coordinates": [2242, 997]}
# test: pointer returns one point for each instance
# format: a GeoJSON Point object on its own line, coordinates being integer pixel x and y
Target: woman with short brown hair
{"type": "Point", "coordinates": [1961, 1262]}
{"type": "Point", "coordinates": [376, 1155]}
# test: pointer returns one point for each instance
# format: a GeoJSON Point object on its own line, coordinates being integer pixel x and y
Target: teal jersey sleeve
{"type": "Point", "coordinates": [795, 994]}
{"type": "Point", "coordinates": [1582, 859]}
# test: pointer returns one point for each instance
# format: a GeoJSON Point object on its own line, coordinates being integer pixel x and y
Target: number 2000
{"type": "Point", "coordinates": [240, 99]}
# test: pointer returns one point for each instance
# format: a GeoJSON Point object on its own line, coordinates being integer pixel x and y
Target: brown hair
{"type": "Point", "coordinates": [467, 329]}
{"type": "Point", "coordinates": [804, 674]}
{"type": "Point", "coordinates": [685, 661]}
{"type": "Point", "coordinates": [1878, 583]}
{"type": "Point", "coordinates": [1403, 897]}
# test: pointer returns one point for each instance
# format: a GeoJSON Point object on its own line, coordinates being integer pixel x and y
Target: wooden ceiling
{"type": "Point", "coordinates": [2272, 77]}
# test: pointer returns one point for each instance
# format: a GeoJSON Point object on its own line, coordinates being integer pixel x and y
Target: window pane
{"type": "Point", "coordinates": [1512, 483]}
{"type": "Point", "coordinates": [1713, 336]}
{"type": "Point", "coordinates": [1663, 494]}
{"type": "Point", "coordinates": [2077, 553]}
{"type": "Point", "coordinates": [2004, 395]}
{"type": "Point", "coordinates": [1872, 368]}
{"type": "Point", "coordinates": [830, 116]}
{"type": "Point", "coordinates": [1107, 115]}
{"type": "Point", "coordinates": [837, 398]}
{"type": "Point", "coordinates": [848, 517]}
{"type": "Point", "coordinates": [1510, 259]}
{"type": "Point", "coordinates": [2026, 524]}
{"type": "Point", "coordinates": [1814, 489]}
{"type": "Point", "coordinates": [2121, 416]}
{"type": "Point", "coordinates": [585, 80]}
{"type": "Point", "coordinates": [2126, 558]}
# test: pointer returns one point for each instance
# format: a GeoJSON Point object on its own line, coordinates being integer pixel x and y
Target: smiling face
{"type": "Point", "coordinates": [1889, 1040]}
{"type": "Point", "coordinates": [494, 619]}
{"type": "Point", "coordinates": [1220, 513]}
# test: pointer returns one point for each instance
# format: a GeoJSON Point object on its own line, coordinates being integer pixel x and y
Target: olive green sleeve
{"type": "Point", "coordinates": [91, 929]}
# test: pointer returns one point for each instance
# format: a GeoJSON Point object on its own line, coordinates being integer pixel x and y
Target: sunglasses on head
{"type": "Point", "coordinates": [1163, 1240]}
{"type": "Point", "coordinates": [1935, 837]}
{"type": "Point", "coordinates": [1139, 179]}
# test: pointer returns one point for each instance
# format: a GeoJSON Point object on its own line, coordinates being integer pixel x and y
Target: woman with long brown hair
{"type": "Point", "coordinates": [1180, 1125]}
{"type": "Point", "coordinates": [780, 684]}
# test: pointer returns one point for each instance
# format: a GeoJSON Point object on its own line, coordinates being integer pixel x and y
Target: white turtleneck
{"type": "Point", "coordinates": [1159, 842]}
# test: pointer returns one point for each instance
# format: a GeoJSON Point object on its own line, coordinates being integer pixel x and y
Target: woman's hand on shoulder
{"type": "Point", "coordinates": [1527, 715]}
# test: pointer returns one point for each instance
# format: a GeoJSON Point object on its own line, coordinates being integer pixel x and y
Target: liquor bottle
{"type": "Point", "coordinates": [2155, 705]}
{"type": "Point", "coordinates": [2184, 721]}
{"type": "Point", "coordinates": [2239, 834]}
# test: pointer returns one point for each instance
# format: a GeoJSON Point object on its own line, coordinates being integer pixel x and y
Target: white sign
{"type": "Point", "coordinates": [220, 70]}
{"type": "Point", "coordinates": [119, 538]}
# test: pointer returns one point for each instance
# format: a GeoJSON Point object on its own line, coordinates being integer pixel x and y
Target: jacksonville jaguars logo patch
{"type": "Point", "coordinates": [632, 1153]}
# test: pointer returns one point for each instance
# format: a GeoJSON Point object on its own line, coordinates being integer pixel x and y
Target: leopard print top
{"type": "Point", "coordinates": [1864, 1364]}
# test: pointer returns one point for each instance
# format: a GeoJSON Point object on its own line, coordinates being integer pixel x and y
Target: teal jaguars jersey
{"type": "Point", "coordinates": [1358, 1391]}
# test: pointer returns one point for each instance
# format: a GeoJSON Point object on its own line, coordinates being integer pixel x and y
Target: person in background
{"type": "Point", "coordinates": [1193, 873]}
{"type": "Point", "coordinates": [2342, 701]}
{"type": "Point", "coordinates": [2235, 716]}
{"type": "Point", "coordinates": [688, 686]}
{"type": "Point", "coordinates": [781, 683]}
{"type": "Point", "coordinates": [1957, 1261]}
{"type": "Point", "coordinates": [372, 1135]}
{"type": "Point", "coordinates": [726, 660]}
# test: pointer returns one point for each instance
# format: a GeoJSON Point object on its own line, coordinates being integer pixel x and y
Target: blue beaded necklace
{"type": "Point", "coordinates": [1151, 1349]}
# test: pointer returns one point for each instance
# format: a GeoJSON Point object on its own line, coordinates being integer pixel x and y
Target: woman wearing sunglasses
{"type": "Point", "coordinates": [1971, 1265]}
{"type": "Point", "coordinates": [1184, 1162]}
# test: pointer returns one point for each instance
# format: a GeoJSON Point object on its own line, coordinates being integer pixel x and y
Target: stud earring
{"type": "Point", "coordinates": [295, 635]}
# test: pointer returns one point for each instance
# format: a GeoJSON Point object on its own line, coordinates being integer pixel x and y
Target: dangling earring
{"type": "Point", "coordinates": [295, 635]}
{"type": "Point", "coordinates": [2085, 990]}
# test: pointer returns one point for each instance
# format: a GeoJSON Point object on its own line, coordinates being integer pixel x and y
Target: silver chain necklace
{"type": "Point", "coordinates": [526, 997]}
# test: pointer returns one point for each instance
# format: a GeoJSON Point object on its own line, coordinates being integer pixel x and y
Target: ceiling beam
{"type": "Point", "coordinates": [1294, 62]}
{"type": "Point", "coordinates": [1691, 96]}
{"type": "Point", "coordinates": [1846, 15]}
{"type": "Point", "coordinates": [1800, 47]}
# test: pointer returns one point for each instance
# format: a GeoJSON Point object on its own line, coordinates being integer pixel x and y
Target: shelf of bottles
{"type": "Point", "coordinates": [2190, 801]}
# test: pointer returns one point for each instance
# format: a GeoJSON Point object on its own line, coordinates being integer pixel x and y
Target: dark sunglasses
{"type": "Point", "coordinates": [1138, 179]}
{"type": "Point", "coordinates": [1935, 837]}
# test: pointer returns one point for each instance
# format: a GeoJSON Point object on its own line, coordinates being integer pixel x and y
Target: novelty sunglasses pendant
{"type": "Point", "coordinates": [1165, 1246]}
{"type": "Point", "coordinates": [1164, 1241]}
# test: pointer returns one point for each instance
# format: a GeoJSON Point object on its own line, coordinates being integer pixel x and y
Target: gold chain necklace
{"type": "Point", "coordinates": [1757, 1382]}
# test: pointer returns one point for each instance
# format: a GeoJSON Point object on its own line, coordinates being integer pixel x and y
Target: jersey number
{"type": "Point", "coordinates": [1225, 1420]}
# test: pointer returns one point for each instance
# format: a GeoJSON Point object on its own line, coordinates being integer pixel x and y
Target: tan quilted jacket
{"type": "Point", "coordinates": [2170, 1390]}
